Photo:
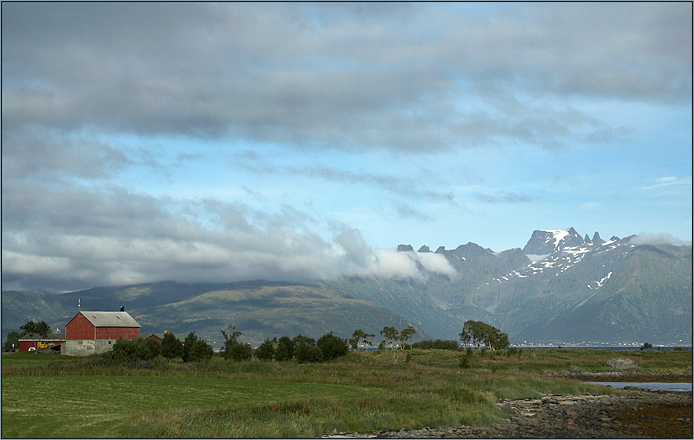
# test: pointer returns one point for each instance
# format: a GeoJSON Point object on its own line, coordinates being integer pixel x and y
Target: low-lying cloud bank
{"type": "Point", "coordinates": [659, 238]}
{"type": "Point", "coordinates": [83, 239]}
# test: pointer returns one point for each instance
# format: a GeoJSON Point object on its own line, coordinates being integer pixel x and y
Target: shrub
{"type": "Point", "coordinates": [195, 349]}
{"type": "Point", "coordinates": [437, 344]}
{"type": "Point", "coordinates": [308, 353]}
{"type": "Point", "coordinates": [332, 346]}
{"type": "Point", "coordinates": [125, 350]}
{"type": "Point", "coordinates": [266, 350]}
{"type": "Point", "coordinates": [465, 361]}
{"type": "Point", "coordinates": [171, 347]}
{"type": "Point", "coordinates": [285, 349]}
{"type": "Point", "coordinates": [237, 351]}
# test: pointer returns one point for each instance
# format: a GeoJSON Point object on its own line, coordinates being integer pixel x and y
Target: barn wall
{"type": "Point", "coordinates": [79, 328]}
{"type": "Point", "coordinates": [25, 345]}
{"type": "Point", "coordinates": [117, 332]}
{"type": "Point", "coordinates": [80, 347]}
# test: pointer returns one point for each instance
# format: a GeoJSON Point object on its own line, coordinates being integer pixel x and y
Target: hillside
{"type": "Point", "coordinates": [579, 290]}
{"type": "Point", "coordinates": [257, 309]}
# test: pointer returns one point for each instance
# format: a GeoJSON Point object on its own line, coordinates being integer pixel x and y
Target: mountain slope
{"type": "Point", "coordinates": [579, 291]}
{"type": "Point", "coordinates": [257, 309]}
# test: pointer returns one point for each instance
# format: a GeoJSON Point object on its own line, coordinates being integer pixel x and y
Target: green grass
{"type": "Point", "coordinates": [362, 392]}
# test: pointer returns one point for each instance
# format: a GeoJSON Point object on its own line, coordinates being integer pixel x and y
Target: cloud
{"type": "Point", "coordinates": [312, 75]}
{"type": "Point", "coordinates": [59, 239]}
{"type": "Point", "coordinates": [668, 181]}
{"type": "Point", "coordinates": [657, 238]}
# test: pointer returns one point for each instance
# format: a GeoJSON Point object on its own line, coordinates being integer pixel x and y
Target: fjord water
{"type": "Point", "coordinates": [650, 386]}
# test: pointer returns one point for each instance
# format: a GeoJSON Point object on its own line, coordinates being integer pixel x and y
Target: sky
{"type": "Point", "coordinates": [194, 142]}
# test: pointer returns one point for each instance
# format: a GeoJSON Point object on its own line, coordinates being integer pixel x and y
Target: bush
{"type": "Point", "coordinates": [236, 351]}
{"type": "Point", "coordinates": [171, 347]}
{"type": "Point", "coordinates": [125, 350]}
{"type": "Point", "coordinates": [308, 353]}
{"type": "Point", "coordinates": [195, 349]}
{"type": "Point", "coordinates": [465, 361]}
{"type": "Point", "coordinates": [332, 346]}
{"type": "Point", "coordinates": [266, 350]}
{"type": "Point", "coordinates": [437, 344]}
{"type": "Point", "coordinates": [285, 349]}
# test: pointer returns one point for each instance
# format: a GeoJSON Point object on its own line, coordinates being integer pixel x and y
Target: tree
{"type": "Point", "coordinates": [39, 328]}
{"type": "Point", "coordinates": [12, 338]}
{"type": "Point", "coordinates": [233, 349]}
{"type": "Point", "coordinates": [171, 347]}
{"type": "Point", "coordinates": [332, 346]}
{"type": "Point", "coordinates": [406, 335]}
{"type": "Point", "coordinates": [238, 351]}
{"type": "Point", "coordinates": [233, 334]}
{"type": "Point", "coordinates": [285, 349]}
{"type": "Point", "coordinates": [308, 353]}
{"type": "Point", "coordinates": [482, 333]}
{"type": "Point", "coordinates": [195, 349]}
{"type": "Point", "coordinates": [266, 350]}
{"type": "Point", "coordinates": [360, 335]}
{"type": "Point", "coordinates": [391, 335]}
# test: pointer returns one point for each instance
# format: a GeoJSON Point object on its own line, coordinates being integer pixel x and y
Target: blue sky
{"type": "Point", "coordinates": [233, 141]}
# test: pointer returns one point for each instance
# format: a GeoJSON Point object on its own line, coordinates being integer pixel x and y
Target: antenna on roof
{"type": "Point", "coordinates": [78, 303]}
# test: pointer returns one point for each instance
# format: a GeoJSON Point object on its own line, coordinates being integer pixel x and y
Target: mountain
{"type": "Point", "coordinates": [560, 288]}
{"type": "Point", "coordinates": [258, 309]}
{"type": "Point", "coordinates": [547, 242]}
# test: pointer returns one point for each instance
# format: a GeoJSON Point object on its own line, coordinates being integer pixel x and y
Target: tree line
{"type": "Point", "coordinates": [301, 348]}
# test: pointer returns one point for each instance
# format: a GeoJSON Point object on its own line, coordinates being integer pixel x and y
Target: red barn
{"type": "Point", "coordinates": [96, 332]}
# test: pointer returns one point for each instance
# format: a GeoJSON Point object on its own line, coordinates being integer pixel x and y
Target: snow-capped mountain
{"type": "Point", "coordinates": [560, 288]}
{"type": "Point", "coordinates": [546, 242]}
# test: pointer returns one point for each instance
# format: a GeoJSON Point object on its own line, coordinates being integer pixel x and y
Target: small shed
{"type": "Point", "coordinates": [33, 341]}
{"type": "Point", "coordinates": [96, 332]}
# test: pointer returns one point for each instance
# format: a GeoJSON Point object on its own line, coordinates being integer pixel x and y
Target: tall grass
{"type": "Point", "coordinates": [362, 392]}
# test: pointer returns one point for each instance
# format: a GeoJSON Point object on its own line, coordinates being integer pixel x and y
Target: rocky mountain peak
{"type": "Point", "coordinates": [405, 248]}
{"type": "Point", "coordinates": [544, 242]}
{"type": "Point", "coordinates": [597, 240]}
{"type": "Point", "coordinates": [424, 248]}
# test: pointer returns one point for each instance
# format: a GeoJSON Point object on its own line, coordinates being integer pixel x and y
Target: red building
{"type": "Point", "coordinates": [96, 332]}
{"type": "Point", "coordinates": [33, 341]}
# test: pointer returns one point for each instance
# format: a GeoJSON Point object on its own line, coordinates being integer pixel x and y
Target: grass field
{"type": "Point", "coordinates": [43, 396]}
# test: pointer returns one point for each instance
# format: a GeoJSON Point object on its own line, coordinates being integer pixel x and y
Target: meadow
{"type": "Point", "coordinates": [51, 396]}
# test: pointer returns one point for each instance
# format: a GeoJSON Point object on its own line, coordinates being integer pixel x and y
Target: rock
{"type": "Point", "coordinates": [508, 409]}
{"type": "Point", "coordinates": [574, 369]}
{"type": "Point", "coordinates": [622, 364]}
{"type": "Point", "coordinates": [405, 248]}
{"type": "Point", "coordinates": [424, 248]}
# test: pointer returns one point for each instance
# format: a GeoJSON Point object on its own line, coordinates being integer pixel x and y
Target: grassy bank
{"type": "Point", "coordinates": [49, 396]}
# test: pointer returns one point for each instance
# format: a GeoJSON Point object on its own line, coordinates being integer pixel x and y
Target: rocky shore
{"type": "Point", "coordinates": [635, 415]}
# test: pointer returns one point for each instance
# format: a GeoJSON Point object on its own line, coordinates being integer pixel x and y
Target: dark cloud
{"type": "Point", "coordinates": [337, 77]}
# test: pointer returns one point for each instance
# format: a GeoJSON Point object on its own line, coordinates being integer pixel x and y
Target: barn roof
{"type": "Point", "coordinates": [110, 319]}
{"type": "Point", "coordinates": [37, 337]}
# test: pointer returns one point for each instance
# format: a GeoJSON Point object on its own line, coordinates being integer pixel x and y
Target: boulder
{"type": "Point", "coordinates": [574, 369]}
{"type": "Point", "coordinates": [622, 364]}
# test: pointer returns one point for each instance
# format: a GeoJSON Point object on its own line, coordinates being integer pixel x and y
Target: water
{"type": "Point", "coordinates": [651, 386]}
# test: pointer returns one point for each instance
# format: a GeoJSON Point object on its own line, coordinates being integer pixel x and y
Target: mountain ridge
{"type": "Point", "coordinates": [581, 291]}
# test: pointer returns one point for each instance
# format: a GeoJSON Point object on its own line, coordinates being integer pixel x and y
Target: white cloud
{"type": "Point", "coordinates": [657, 238]}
